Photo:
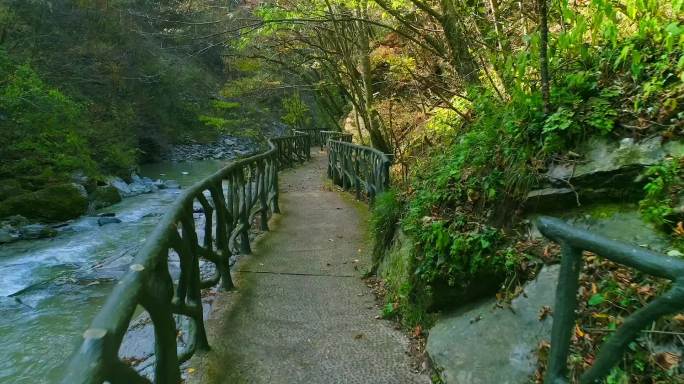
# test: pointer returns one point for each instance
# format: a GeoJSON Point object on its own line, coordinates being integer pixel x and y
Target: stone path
{"type": "Point", "coordinates": [301, 313]}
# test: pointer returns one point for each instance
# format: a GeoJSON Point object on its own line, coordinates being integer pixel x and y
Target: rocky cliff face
{"type": "Point", "coordinates": [600, 171]}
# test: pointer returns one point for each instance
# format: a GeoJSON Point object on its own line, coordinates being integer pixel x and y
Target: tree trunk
{"type": "Point", "coordinates": [543, 55]}
{"type": "Point", "coordinates": [372, 125]}
{"type": "Point", "coordinates": [463, 60]}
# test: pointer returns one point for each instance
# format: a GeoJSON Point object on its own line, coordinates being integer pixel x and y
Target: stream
{"type": "Point", "coordinates": [50, 289]}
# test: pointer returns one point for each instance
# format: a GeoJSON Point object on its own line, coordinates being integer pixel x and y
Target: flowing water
{"type": "Point", "coordinates": [50, 289]}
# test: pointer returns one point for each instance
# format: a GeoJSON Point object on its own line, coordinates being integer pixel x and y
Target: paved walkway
{"type": "Point", "coordinates": [301, 313]}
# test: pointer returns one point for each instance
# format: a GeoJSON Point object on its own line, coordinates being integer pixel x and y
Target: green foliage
{"type": "Point", "coordinates": [42, 130]}
{"type": "Point", "coordinates": [459, 190]}
{"type": "Point", "coordinates": [90, 92]}
{"type": "Point", "coordinates": [666, 181]}
{"type": "Point", "coordinates": [297, 114]}
{"type": "Point", "coordinates": [384, 218]}
{"type": "Point", "coordinates": [464, 193]}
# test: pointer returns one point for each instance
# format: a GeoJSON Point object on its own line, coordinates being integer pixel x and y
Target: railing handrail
{"type": "Point", "coordinates": [573, 242]}
{"type": "Point", "coordinates": [252, 188]}
{"type": "Point", "coordinates": [352, 165]}
{"type": "Point", "coordinates": [326, 136]}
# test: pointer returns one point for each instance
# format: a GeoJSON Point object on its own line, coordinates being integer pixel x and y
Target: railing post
{"type": "Point", "coordinates": [386, 165]}
{"type": "Point", "coordinates": [245, 247]}
{"type": "Point", "coordinates": [275, 167]}
{"type": "Point", "coordinates": [564, 314]}
{"type": "Point", "coordinates": [263, 196]}
{"type": "Point", "coordinates": [357, 181]}
{"type": "Point", "coordinates": [194, 297]}
{"type": "Point", "coordinates": [222, 235]}
{"type": "Point", "coordinates": [157, 302]}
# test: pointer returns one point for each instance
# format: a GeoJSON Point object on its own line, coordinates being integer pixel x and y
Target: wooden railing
{"type": "Point", "coordinates": [293, 149]}
{"type": "Point", "coordinates": [573, 241]}
{"type": "Point", "coordinates": [320, 137]}
{"type": "Point", "coordinates": [314, 134]}
{"type": "Point", "coordinates": [326, 136]}
{"type": "Point", "coordinates": [364, 169]}
{"type": "Point", "coordinates": [231, 201]}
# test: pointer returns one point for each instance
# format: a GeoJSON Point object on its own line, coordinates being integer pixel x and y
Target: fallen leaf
{"type": "Point", "coordinates": [544, 312]}
{"type": "Point", "coordinates": [578, 332]}
{"type": "Point", "coordinates": [191, 370]}
{"type": "Point", "coordinates": [417, 331]}
{"type": "Point", "coordinates": [679, 229]}
{"type": "Point", "coordinates": [667, 360]}
{"type": "Point", "coordinates": [646, 290]}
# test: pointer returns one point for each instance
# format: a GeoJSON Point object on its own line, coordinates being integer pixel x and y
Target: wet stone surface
{"type": "Point", "coordinates": [484, 344]}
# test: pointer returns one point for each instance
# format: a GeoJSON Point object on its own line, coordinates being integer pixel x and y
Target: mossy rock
{"type": "Point", "coordinates": [52, 204]}
{"type": "Point", "coordinates": [104, 196]}
{"type": "Point", "coordinates": [9, 188]}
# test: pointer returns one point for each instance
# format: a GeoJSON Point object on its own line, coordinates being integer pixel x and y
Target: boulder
{"type": "Point", "coordinates": [141, 185]}
{"type": "Point", "coordinates": [485, 344]}
{"type": "Point", "coordinates": [606, 171]}
{"type": "Point", "coordinates": [120, 185]}
{"type": "Point", "coordinates": [396, 268]}
{"type": "Point", "coordinates": [8, 235]}
{"type": "Point", "coordinates": [608, 158]}
{"type": "Point", "coordinates": [107, 220]}
{"type": "Point", "coordinates": [18, 228]}
{"type": "Point", "coordinates": [15, 221]}
{"type": "Point", "coordinates": [138, 186]}
{"type": "Point", "coordinates": [36, 231]}
{"type": "Point", "coordinates": [51, 204]}
{"type": "Point", "coordinates": [79, 177]}
{"type": "Point", "coordinates": [104, 196]}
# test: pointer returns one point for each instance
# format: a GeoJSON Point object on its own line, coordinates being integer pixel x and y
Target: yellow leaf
{"type": "Point", "coordinates": [679, 230]}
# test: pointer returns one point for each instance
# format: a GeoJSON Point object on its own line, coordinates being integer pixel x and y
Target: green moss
{"type": "Point", "coordinates": [383, 222]}
{"type": "Point", "coordinates": [104, 196]}
{"type": "Point", "coordinates": [407, 299]}
{"type": "Point", "coordinates": [604, 211]}
{"type": "Point", "coordinates": [52, 204]}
